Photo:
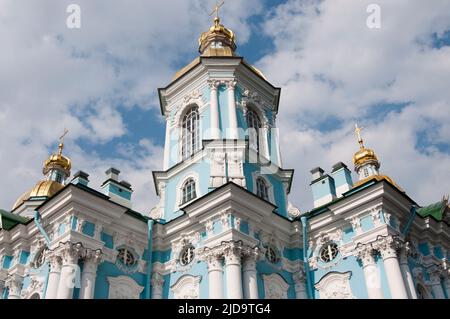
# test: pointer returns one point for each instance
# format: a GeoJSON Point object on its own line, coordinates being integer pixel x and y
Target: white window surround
{"type": "Point", "coordinates": [275, 287]}
{"type": "Point", "coordinates": [124, 287]}
{"type": "Point", "coordinates": [177, 124]}
{"type": "Point", "coordinates": [270, 191]}
{"type": "Point", "coordinates": [190, 132]}
{"type": "Point", "coordinates": [263, 130]}
{"type": "Point", "coordinates": [179, 189]}
{"type": "Point", "coordinates": [187, 287]}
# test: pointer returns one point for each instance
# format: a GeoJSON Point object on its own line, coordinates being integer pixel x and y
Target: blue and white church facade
{"type": "Point", "coordinates": [224, 226]}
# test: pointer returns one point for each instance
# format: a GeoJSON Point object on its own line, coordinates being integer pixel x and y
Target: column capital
{"type": "Point", "coordinates": [299, 278]}
{"type": "Point", "coordinates": [365, 254]}
{"type": "Point", "coordinates": [231, 84]}
{"type": "Point", "coordinates": [213, 84]}
{"type": "Point", "coordinates": [70, 253]}
{"type": "Point", "coordinates": [14, 283]}
{"type": "Point", "coordinates": [157, 280]}
{"type": "Point", "coordinates": [232, 253]}
{"type": "Point", "coordinates": [54, 262]}
{"type": "Point", "coordinates": [213, 261]}
{"type": "Point", "coordinates": [387, 246]}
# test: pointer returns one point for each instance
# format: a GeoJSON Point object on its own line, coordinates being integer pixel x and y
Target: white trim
{"type": "Point", "coordinates": [275, 287]}
{"type": "Point", "coordinates": [270, 191]}
{"type": "Point", "coordinates": [179, 189]}
{"type": "Point", "coordinates": [335, 285]}
{"type": "Point", "coordinates": [123, 287]}
{"type": "Point", "coordinates": [187, 287]}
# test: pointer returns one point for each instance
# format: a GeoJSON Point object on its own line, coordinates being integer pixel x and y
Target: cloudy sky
{"type": "Point", "coordinates": [100, 81]}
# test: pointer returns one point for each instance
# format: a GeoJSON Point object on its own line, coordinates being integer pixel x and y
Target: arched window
{"type": "Point", "coordinates": [261, 189]}
{"type": "Point", "coordinates": [188, 191]}
{"type": "Point", "coordinates": [253, 124]}
{"type": "Point", "coordinates": [190, 133]}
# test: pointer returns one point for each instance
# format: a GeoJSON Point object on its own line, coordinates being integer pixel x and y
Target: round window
{"type": "Point", "coordinates": [187, 255]}
{"type": "Point", "coordinates": [271, 255]}
{"type": "Point", "coordinates": [329, 252]}
{"type": "Point", "coordinates": [126, 257]}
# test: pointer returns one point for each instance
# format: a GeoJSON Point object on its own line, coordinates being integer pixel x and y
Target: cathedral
{"type": "Point", "coordinates": [224, 227]}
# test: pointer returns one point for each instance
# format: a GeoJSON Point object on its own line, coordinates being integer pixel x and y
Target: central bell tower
{"type": "Point", "coordinates": [220, 116]}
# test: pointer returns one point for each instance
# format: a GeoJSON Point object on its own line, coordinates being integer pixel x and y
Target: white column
{"type": "Point", "coordinates": [69, 270]}
{"type": "Point", "coordinates": [387, 247]}
{"type": "Point", "coordinates": [214, 110]}
{"type": "Point", "coordinates": [233, 129]}
{"type": "Point", "coordinates": [215, 276]}
{"type": "Point", "coordinates": [436, 285]}
{"type": "Point", "coordinates": [250, 282]}
{"type": "Point", "coordinates": [407, 276]}
{"type": "Point", "coordinates": [371, 273]}
{"type": "Point", "coordinates": [157, 286]}
{"type": "Point", "coordinates": [14, 284]}
{"type": "Point", "coordinates": [53, 277]}
{"type": "Point", "coordinates": [2, 287]}
{"type": "Point", "coordinates": [265, 140]}
{"type": "Point", "coordinates": [233, 271]}
{"type": "Point", "coordinates": [89, 275]}
{"type": "Point", "coordinates": [300, 285]}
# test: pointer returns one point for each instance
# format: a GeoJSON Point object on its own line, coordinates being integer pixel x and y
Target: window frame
{"type": "Point", "coordinates": [190, 132]}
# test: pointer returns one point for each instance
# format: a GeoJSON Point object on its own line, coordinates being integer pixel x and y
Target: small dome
{"type": "Point", "coordinates": [365, 156]}
{"type": "Point", "coordinates": [41, 189]}
{"type": "Point", "coordinates": [217, 41]}
{"type": "Point", "coordinates": [57, 161]}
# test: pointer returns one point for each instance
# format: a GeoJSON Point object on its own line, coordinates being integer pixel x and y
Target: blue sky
{"type": "Point", "coordinates": [101, 82]}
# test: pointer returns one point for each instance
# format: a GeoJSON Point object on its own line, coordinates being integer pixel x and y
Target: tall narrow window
{"type": "Point", "coordinates": [188, 191]}
{"type": "Point", "coordinates": [190, 133]}
{"type": "Point", "coordinates": [254, 124]}
{"type": "Point", "coordinates": [261, 189]}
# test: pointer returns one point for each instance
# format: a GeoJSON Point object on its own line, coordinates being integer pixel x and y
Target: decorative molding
{"type": "Point", "coordinates": [187, 287]}
{"type": "Point", "coordinates": [124, 287]}
{"type": "Point", "coordinates": [275, 287]}
{"type": "Point", "coordinates": [335, 285]}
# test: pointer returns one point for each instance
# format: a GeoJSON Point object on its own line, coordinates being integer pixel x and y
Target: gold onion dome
{"type": "Point", "coordinates": [47, 188]}
{"type": "Point", "coordinates": [57, 161]}
{"type": "Point", "coordinates": [364, 155]}
{"type": "Point", "coordinates": [217, 41]}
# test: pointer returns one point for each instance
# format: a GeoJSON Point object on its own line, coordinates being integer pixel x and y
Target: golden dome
{"type": "Point", "coordinates": [363, 156]}
{"type": "Point", "coordinates": [217, 41]}
{"type": "Point", "coordinates": [41, 189]}
{"type": "Point", "coordinates": [57, 161]}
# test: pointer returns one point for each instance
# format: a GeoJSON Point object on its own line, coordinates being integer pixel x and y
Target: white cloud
{"type": "Point", "coordinates": [330, 65]}
{"type": "Point", "coordinates": [53, 77]}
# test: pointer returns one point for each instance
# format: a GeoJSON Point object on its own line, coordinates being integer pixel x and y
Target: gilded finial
{"type": "Point", "coordinates": [216, 11]}
{"type": "Point", "coordinates": [358, 134]}
{"type": "Point", "coordinates": [61, 143]}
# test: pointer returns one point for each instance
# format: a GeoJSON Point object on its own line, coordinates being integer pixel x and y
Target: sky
{"type": "Point", "coordinates": [100, 81]}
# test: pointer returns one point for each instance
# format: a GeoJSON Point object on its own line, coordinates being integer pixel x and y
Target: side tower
{"type": "Point", "coordinates": [220, 127]}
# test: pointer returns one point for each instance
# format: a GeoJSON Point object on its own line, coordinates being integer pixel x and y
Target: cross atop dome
{"type": "Point", "coordinates": [218, 40]}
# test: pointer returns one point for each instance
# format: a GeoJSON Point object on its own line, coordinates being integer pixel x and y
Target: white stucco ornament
{"type": "Point", "coordinates": [335, 286]}
{"type": "Point", "coordinates": [123, 287]}
{"type": "Point", "coordinates": [187, 287]}
{"type": "Point", "coordinates": [275, 287]}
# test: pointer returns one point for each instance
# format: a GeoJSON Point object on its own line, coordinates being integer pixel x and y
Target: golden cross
{"type": "Point", "coordinates": [64, 134]}
{"type": "Point", "coordinates": [61, 144]}
{"type": "Point", "coordinates": [216, 9]}
{"type": "Point", "coordinates": [358, 133]}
